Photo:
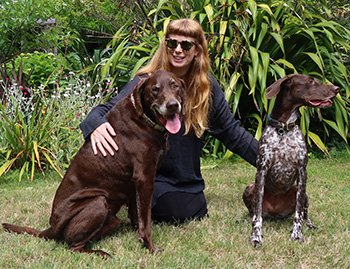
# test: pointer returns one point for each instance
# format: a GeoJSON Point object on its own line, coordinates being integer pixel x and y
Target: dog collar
{"type": "Point", "coordinates": [280, 126]}
{"type": "Point", "coordinates": [148, 120]}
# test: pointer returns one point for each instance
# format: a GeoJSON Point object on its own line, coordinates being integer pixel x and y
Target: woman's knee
{"type": "Point", "coordinates": [180, 207]}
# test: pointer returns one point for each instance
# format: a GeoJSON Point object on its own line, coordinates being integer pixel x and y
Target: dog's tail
{"type": "Point", "coordinates": [31, 231]}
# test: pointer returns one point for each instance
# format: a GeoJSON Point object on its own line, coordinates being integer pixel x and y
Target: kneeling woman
{"type": "Point", "coordinates": [178, 192]}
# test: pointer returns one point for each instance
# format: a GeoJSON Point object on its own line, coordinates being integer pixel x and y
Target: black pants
{"type": "Point", "coordinates": [179, 206]}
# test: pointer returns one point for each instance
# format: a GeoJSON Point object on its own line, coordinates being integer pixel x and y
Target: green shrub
{"type": "Point", "coordinates": [251, 45]}
{"type": "Point", "coordinates": [44, 68]}
{"type": "Point", "coordinates": [26, 132]}
{"type": "Point", "coordinates": [41, 130]}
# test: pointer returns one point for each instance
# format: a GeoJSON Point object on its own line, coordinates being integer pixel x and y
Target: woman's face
{"type": "Point", "coordinates": [180, 59]}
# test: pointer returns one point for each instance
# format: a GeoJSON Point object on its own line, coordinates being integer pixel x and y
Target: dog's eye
{"type": "Point", "coordinates": [155, 90]}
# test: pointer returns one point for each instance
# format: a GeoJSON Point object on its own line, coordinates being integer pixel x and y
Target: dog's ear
{"type": "Point", "coordinates": [275, 88]}
{"type": "Point", "coordinates": [137, 93]}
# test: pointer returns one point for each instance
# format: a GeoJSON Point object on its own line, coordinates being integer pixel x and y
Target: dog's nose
{"type": "Point", "coordinates": [336, 89]}
{"type": "Point", "coordinates": [172, 105]}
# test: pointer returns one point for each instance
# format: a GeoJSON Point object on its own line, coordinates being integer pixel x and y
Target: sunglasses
{"type": "Point", "coordinates": [172, 44]}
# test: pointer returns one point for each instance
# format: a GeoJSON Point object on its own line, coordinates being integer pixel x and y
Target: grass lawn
{"type": "Point", "coordinates": [220, 241]}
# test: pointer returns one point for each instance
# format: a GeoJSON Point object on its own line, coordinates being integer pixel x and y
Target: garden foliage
{"type": "Point", "coordinates": [251, 45]}
{"type": "Point", "coordinates": [40, 130]}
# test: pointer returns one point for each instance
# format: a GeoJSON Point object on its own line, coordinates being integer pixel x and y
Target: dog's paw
{"type": "Point", "coordinates": [309, 225]}
{"type": "Point", "coordinates": [257, 237]}
{"type": "Point", "coordinates": [5, 226]}
{"type": "Point", "coordinates": [157, 250]}
{"type": "Point", "coordinates": [296, 234]}
{"type": "Point", "coordinates": [256, 241]}
{"type": "Point", "coordinates": [103, 255]}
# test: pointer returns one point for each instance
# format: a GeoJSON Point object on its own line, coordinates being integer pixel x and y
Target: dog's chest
{"type": "Point", "coordinates": [282, 155]}
{"type": "Point", "coordinates": [291, 144]}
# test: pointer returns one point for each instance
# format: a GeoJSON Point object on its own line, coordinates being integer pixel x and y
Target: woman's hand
{"type": "Point", "coordinates": [102, 139]}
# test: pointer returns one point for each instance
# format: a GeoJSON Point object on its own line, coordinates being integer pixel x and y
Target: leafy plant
{"type": "Point", "coordinates": [73, 103]}
{"type": "Point", "coordinates": [261, 42]}
{"type": "Point", "coordinates": [27, 127]}
{"type": "Point", "coordinates": [21, 30]}
{"type": "Point", "coordinates": [41, 130]}
{"type": "Point", "coordinates": [252, 44]}
{"type": "Point", "coordinates": [43, 68]}
{"type": "Point", "coordinates": [117, 64]}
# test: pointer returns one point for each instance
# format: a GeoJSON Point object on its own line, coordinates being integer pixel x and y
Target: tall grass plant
{"type": "Point", "coordinates": [40, 130]}
{"type": "Point", "coordinates": [251, 45]}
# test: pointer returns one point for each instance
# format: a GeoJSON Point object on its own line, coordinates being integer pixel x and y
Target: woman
{"type": "Point", "coordinates": [178, 191]}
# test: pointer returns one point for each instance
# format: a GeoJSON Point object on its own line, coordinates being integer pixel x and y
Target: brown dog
{"type": "Point", "coordinates": [282, 156]}
{"type": "Point", "coordinates": [95, 187]}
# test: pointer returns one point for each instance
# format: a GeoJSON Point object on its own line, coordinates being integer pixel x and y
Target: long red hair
{"type": "Point", "coordinates": [198, 88]}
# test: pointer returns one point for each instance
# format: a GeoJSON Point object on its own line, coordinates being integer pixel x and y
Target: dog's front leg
{"type": "Point", "coordinates": [144, 190]}
{"type": "Point", "coordinates": [132, 212]}
{"type": "Point", "coordinates": [296, 232]}
{"type": "Point", "coordinates": [257, 234]}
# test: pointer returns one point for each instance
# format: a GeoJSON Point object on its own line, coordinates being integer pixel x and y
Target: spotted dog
{"type": "Point", "coordinates": [282, 156]}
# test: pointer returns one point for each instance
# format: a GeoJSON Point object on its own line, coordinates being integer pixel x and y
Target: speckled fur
{"type": "Point", "coordinates": [281, 160]}
{"type": "Point", "coordinates": [282, 156]}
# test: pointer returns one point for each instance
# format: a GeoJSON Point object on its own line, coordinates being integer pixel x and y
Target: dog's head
{"type": "Point", "coordinates": [305, 89]}
{"type": "Point", "coordinates": [161, 97]}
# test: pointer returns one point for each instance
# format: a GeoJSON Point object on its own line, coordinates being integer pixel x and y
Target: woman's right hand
{"type": "Point", "coordinates": [102, 140]}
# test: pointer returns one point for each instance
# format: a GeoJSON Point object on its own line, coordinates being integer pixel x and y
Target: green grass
{"type": "Point", "coordinates": [220, 241]}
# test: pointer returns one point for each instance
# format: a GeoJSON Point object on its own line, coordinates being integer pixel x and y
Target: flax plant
{"type": "Point", "coordinates": [26, 129]}
{"type": "Point", "coordinates": [251, 45]}
{"type": "Point", "coordinates": [41, 130]}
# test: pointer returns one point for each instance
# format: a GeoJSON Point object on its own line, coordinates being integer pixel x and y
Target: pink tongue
{"type": "Point", "coordinates": [320, 102]}
{"type": "Point", "coordinates": [173, 124]}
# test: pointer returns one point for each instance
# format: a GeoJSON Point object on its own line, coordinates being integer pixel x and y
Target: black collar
{"type": "Point", "coordinates": [280, 126]}
{"type": "Point", "coordinates": [148, 120]}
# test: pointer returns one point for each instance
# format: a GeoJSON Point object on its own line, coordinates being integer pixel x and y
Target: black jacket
{"type": "Point", "coordinates": [180, 170]}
